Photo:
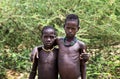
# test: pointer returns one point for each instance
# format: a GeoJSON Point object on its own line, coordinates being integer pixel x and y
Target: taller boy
{"type": "Point", "coordinates": [70, 48]}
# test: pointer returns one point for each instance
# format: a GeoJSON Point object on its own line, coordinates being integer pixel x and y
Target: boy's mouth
{"type": "Point", "coordinates": [48, 43]}
{"type": "Point", "coordinates": [70, 35]}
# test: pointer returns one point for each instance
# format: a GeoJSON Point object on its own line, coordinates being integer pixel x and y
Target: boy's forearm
{"type": "Point", "coordinates": [32, 75]}
{"type": "Point", "coordinates": [34, 53]}
{"type": "Point", "coordinates": [34, 69]}
{"type": "Point", "coordinates": [83, 70]}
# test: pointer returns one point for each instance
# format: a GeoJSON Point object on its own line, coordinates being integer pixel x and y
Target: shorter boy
{"type": "Point", "coordinates": [47, 56]}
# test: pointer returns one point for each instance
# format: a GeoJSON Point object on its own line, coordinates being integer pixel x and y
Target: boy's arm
{"type": "Point", "coordinates": [34, 53]}
{"type": "Point", "coordinates": [83, 69]}
{"type": "Point", "coordinates": [83, 58]}
{"type": "Point", "coordinates": [34, 69]}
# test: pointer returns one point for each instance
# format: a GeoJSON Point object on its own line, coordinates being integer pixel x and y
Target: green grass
{"type": "Point", "coordinates": [21, 22]}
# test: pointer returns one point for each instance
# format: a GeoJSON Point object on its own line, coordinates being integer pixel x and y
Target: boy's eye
{"type": "Point", "coordinates": [68, 27]}
{"type": "Point", "coordinates": [51, 37]}
{"type": "Point", "coordinates": [71, 28]}
{"type": "Point", "coordinates": [45, 36]}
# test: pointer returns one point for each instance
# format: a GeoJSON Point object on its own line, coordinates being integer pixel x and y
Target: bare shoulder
{"type": "Point", "coordinates": [56, 49]}
{"type": "Point", "coordinates": [59, 39]}
{"type": "Point", "coordinates": [81, 44]}
{"type": "Point", "coordinates": [39, 46]}
{"type": "Point", "coordinates": [56, 42]}
{"type": "Point", "coordinates": [35, 49]}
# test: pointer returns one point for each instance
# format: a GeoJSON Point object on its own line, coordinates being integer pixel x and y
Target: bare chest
{"type": "Point", "coordinates": [45, 57]}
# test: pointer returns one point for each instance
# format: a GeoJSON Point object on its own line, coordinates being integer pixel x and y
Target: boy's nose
{"type": "Point", "coordinates": [70, 30]}
{"type": "Point", "coordinates": [48, 39]}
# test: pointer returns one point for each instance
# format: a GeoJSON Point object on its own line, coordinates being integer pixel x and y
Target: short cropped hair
{"type": "Point", "coordinates": [48, 27]}
{"type": "Point", "coordinates": [72, 17]}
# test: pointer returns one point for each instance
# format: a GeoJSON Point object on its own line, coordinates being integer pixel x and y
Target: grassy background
{"type": "Point", "coordinates": [21, 22]}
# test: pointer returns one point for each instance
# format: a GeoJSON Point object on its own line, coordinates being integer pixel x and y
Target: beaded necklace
{"type": "Point", "coordinates": [48, 50]}
{"type": "Point", "coordinates": [71, 43]}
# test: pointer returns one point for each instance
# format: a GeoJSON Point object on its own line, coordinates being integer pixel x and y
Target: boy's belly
{"type": "Point", "coordinates": [47, 71]}
{"type": "Point", "coordinates": [68, 68]}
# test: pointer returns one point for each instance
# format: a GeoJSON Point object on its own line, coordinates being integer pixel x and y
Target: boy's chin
{"type": "Point", "coordinates": [48, 45]}
{"type": "Point", "coordinates": [70, 36]}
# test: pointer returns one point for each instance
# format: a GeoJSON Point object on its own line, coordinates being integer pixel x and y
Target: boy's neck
{"type": "Point", "coordinates": [69, 39]}
{"type": "Point", "coordinates": [48, 47]}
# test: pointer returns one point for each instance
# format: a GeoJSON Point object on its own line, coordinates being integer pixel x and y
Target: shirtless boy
{"type": "Point", "coordinates": [70, 64]}
{"type": "Point", "coordinates": [70, 48]}
{"type": "Point", "coordinates": [46, 62]}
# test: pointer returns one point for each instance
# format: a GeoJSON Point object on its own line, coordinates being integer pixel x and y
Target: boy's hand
{"type": "Point", "coordinates": [84, 56]}
{"type": "Point", "coordinates": [33, 54]}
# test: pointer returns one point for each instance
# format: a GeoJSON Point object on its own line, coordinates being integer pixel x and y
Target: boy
{"type": "Point", "coordinates": [72, 52]}
{"type": "Point", "coordinates": [47, 56]}
{"type": "Point", "coordinates": [70, 48]}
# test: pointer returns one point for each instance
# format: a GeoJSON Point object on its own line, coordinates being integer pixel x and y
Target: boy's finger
{"type": "Point", "coordinates": [33, 58]}
{"type": "Point", "coordinates": [37, 55]}
{"type": "Point", "coordinates": [81, 57]}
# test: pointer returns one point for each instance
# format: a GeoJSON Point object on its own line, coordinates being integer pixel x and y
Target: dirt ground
{"type": "Point", "coordinates": [11, 74]}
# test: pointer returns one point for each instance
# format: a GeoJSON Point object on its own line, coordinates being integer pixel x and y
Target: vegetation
{"type": "Point", "coordinates": [21, 22]}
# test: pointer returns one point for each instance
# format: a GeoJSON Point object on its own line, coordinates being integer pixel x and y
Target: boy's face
{"type": "Point", "coordinates": [48, 37]}
{"type": "Point", "coordinates": [71, 27]}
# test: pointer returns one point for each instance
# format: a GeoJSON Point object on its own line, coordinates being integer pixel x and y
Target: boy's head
{"type": "Point", "coordinates": [71, 25]}
{"type": "Point", "coordinates": [72, 17]}
{"type": "Point", "coordinates": [48, 36]}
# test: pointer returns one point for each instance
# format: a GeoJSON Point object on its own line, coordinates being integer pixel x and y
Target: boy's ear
{"type": "Point", "coordinates": [40, 36]}
{"type": "Point", "coordinates": [78, 27]}
{"type": "Point", "coordinates": [64, 26]}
